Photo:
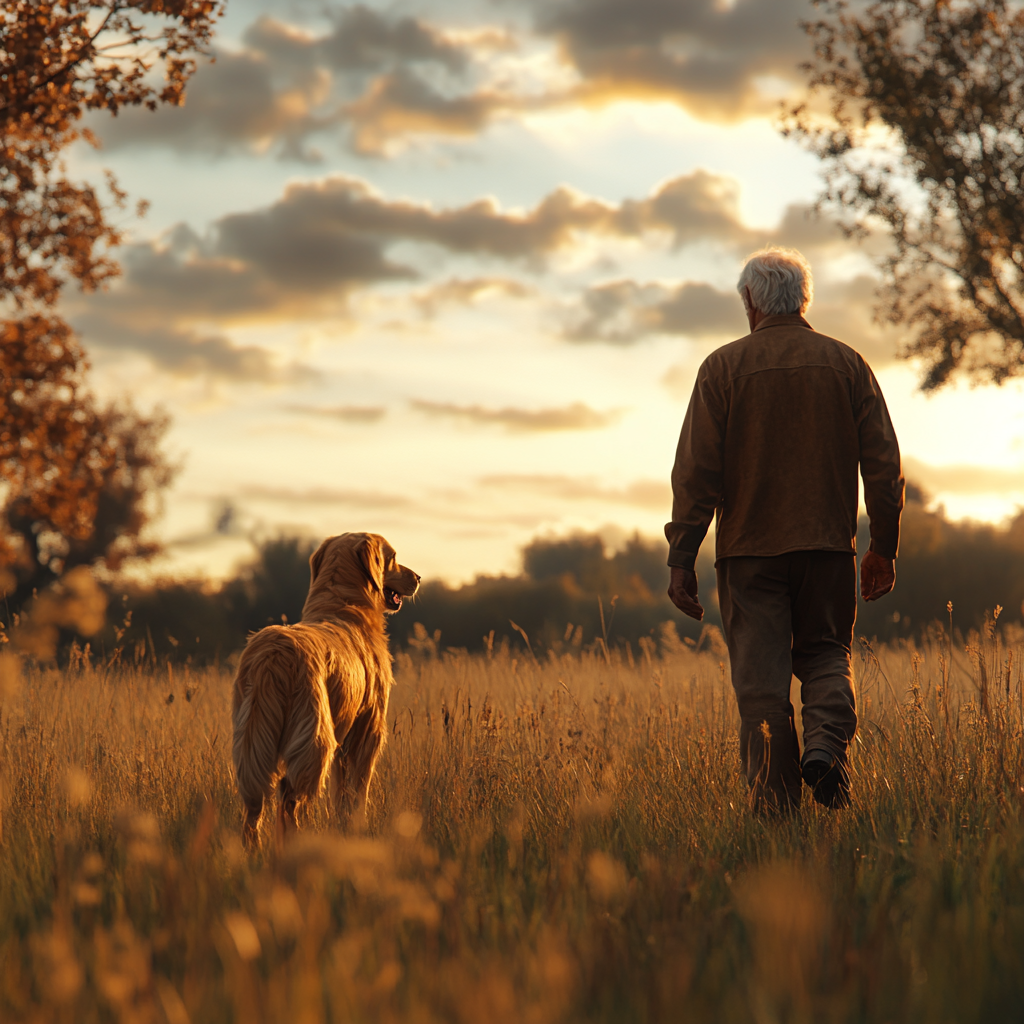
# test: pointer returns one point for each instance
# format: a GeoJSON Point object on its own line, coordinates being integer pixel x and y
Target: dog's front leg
{"type": "Point", "coordinates": [349, 811]}
{"type": "Point", "coordinates": [354, 765]}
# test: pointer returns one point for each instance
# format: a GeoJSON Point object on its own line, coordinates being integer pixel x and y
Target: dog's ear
{"type": "Point", "coordinates": [316, 561]}
{"type": "Point", "coordinates": [371, 554]}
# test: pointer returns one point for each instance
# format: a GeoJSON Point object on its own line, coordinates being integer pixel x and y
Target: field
{"type": "Point", "coordinates": [559, 838]}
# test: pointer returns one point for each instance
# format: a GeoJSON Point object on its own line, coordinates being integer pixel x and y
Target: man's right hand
{"type": "Point", "coordinates": [877, 576]}
{"type": "Point", "coordinates": [683, 592]}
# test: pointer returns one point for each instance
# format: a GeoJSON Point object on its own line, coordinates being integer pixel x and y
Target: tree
{"type": "Point", "coordinates": [273, 587]}
{"type": "Point", "coordinates": [925, 137]}
{"type": "Point", "coordinates": [58, 59]}
{"type": "Point", "coordinates": [78, 479]}
{"type": "Point", "coordinates": [82, 481]}
{"type": "Point", "coordinates": [196, 620]}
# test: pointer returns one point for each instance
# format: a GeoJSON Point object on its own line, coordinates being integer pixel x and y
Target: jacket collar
{"type": "Point", "coordinates": [783, 320]}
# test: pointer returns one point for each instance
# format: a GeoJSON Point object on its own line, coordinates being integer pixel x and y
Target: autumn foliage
{"type": "Point", "coordinates": [79, 478]}
{"type": "Point", "coordinates": [923, 138]}
{"type": "Point", "coordinates": [82, 478]}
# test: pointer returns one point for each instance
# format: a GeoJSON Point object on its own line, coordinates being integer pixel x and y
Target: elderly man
{"type": "Point", "coordinates": [778, 424]}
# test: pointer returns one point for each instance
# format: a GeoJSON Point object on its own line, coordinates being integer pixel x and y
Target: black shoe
{"type": "Point", "coordinates": [828, 778]}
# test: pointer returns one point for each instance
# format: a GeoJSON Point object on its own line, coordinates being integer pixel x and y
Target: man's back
{"type": "Point", "coordinates": [776, 428]}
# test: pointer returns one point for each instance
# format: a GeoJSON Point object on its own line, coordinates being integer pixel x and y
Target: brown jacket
{"type": "Point", "coordinates": [777, 425]}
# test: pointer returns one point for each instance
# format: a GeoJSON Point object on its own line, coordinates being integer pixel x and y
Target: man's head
{"type": "Point", "coordinates": [773, 281]}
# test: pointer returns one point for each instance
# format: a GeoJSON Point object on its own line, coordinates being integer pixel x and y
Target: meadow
{"type": "Point", "coordinates": [559, 836]}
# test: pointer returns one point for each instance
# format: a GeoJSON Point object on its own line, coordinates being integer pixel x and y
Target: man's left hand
{"type": "Point", "coordinates": [683, 592]}
{"type": "Point", "coordinates": [877, 576]}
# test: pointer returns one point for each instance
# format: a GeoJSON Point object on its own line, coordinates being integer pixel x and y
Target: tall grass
{"type": "Point", "coordinates": [559, 838]}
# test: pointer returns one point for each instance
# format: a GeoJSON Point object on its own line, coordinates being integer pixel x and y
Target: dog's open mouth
{"type": "Point", "coordinates": [392, 600]}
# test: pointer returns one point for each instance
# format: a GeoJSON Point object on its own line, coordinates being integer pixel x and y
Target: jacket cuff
{"type": "Point", "coordinates": [682, 559]}
{"type": "Point", "coordinates": [886, 547]}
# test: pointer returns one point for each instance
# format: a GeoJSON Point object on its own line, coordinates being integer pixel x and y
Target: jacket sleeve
{"type": "Point", "coordinates": [697, 474]}
{"type": "Point", "coordinates": [880, 467]}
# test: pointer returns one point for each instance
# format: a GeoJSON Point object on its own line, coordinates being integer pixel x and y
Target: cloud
{"type": "Point", "coordinates": [187, 353]}
{"type": "Point", "coordinates": [334, 231]}
{"type": "Point", "coordinates": [345, 413]}
{"type": "Point", "coordinates": [459, 291]}
{"type": "Point", "coordinates": [693, 207]}
{"type": "Point", "coordinates": [235, 104]}
{"type": "Point", "coordinates": [804, 228]}
{"type": "Point", "coordinates": [371, 75]}
{"type": "Point", "coordinates": [283, 261]}
{"type": "Point", "coordinates": [718, 60]}
{"type": "Point", "coordinates": [571, 417]}
{"type": "Point", "coordinates": [323, 496]}
{"type": "Point", "coordinates": [172, 292]}
{"type": "Point", "coordinates": [270, 262]}
{"type": "Point", "coordinates": [304, 255]}
{"type": "Point", "coordinates": [316, 238]}
{"type": "Point", "coordinates": [622, 312]}
{"type": "Point", "coordinates": [403, 103]}
{"type": "Point", "coordinates": [648, 494]}
{"type": "Point", "coordinates": [364, 39]}
{"type": "Point", "coordinates": [626, 311]}
{"type": "Point", "coordinates": [480, 227]}
{"type": "Point", "coordinates": [375, 79]}
{"type": "Point", "coordinates": [346, 223]}
{"type": "Point", "coordinates": [964, 479]}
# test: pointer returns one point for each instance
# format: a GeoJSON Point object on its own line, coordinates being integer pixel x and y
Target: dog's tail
{"type": "Point", "coordinates": [257, 714]}
{"type": "Point", "coordinates": [280, 714]}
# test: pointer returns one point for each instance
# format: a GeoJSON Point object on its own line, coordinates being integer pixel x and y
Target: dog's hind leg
{"type": "Point", "coordinates": [287, 808]}
{"type": "Point", "coordinates": [253, 813]}
{"type": "Point", "coordinates": [307, 756]}
{"type": "Point", "coordinates": [343, 797]}
{"type": "Point", "coordinates": [354, 765]}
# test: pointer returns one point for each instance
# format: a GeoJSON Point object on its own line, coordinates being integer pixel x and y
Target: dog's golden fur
{"type": "Point", "coordinates": [310, 700]}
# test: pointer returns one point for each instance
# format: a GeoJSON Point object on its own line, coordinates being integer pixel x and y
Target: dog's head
{"type": "Point", "coordinates": [358, 569]}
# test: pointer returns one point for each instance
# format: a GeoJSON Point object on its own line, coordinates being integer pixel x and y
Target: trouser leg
{"type": "Point", "coordinates": [824, 592]}
{"type": "Point", "coordinates": [755, 602]}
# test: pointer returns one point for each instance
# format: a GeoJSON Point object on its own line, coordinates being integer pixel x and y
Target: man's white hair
{"type": "Point", "coordinates": [779, 280]}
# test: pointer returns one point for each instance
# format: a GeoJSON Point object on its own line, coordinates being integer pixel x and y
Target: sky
{"type": "Point", "coordinates": [445, 270]}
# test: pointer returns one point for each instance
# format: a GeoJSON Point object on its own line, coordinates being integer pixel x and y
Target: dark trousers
{"type": "Point", "coordinates": [789, 615]}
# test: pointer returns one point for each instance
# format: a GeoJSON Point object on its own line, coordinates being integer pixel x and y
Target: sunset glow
{"type": "Point", "coordinates": [447, 270]}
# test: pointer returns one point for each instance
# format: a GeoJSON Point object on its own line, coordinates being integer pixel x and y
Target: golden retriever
{"type": "Point", "coordinates": [310, 700]}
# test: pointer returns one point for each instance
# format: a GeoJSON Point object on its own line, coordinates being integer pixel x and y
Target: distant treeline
{"type": "Point", "coordinates": [975, 566]}
{"type": "Point", "coordinates": [571, 591]}
{"type": "Point", "coordinates": [567, 587]}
